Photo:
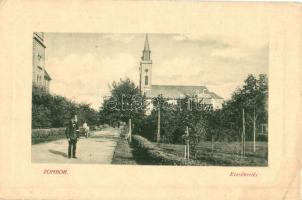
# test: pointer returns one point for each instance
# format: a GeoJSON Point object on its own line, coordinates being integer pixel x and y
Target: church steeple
{"type": "Point", "coordinates": [145, 79]}
{"type": "Point", "coordinates": [146, 51]}
{"type": "Point", "coordinates": [146, 44]}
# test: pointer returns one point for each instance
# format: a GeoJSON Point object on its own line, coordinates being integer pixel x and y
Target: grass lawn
{"type": "Point", "coordinates": [123, 153]}
{"type": "Point", "coordinates": [224, 154]}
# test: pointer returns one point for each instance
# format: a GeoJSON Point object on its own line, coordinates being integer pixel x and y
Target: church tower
{"type": "Point", "coordinates": [145, 69]}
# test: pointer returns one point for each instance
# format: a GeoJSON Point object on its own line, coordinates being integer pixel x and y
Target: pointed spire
{"type": "Point", "coordinates": [146, 51]}
{"type": "Point", "coordinates": [146, 44]}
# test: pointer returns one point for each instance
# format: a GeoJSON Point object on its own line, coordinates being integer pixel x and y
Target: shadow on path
{"type": "Point", "coordinates": [58, 153]}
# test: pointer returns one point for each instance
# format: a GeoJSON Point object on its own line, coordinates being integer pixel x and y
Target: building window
{"type": "Point", "coordinates": [146, 80]}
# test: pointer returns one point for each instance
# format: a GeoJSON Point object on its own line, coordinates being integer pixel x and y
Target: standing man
{"type": "Point", "coordinates": [72, 134]}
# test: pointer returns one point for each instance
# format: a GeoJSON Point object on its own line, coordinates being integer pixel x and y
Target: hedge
{"type": "Point", "coordinates": [150, 154]}
{"type": "Point", "coordinates": [261, 137]}
{"type": "Point", "coordinates": [44, 135]}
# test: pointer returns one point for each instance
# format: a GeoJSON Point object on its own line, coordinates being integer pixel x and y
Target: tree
{"type": "Point", "coordinates": [51, 111]}
{"type": "Point", "coordinates": [40, 117]}
{"type": "Point", "coordinates": [86, 113]}
{"type": "Point", "coordinates": [124, 103]}
{"type": "Point", "coordinates": [253, 97]}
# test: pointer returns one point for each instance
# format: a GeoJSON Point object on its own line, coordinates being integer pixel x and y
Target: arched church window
{"type": "Point", "coordinates": [146, 80]}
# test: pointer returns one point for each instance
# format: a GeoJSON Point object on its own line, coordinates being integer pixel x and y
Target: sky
{"type": "Point", "coordinates": [82, 65]}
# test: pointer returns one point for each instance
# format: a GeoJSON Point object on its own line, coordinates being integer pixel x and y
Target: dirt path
{"type": "Point", "coordinates": [98, 148]}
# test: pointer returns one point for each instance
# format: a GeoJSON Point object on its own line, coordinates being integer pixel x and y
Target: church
{"type": "Point", "coordinates": [171, 92]}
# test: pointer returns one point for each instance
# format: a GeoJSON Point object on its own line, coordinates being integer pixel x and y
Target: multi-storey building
{"type": "Point", "coordinates": [40, 77]}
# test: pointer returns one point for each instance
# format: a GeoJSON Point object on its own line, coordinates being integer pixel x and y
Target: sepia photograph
{"type": "Point", "coordinates": [149, 99]}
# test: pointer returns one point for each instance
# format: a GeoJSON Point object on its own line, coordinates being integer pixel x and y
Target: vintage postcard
{"type": "Point", "coordinates": [178, 99]}
{"type": "Point", "coordinates": [151, 100]}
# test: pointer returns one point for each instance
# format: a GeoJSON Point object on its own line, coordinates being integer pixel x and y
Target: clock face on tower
{"type": "Point", "coordinates": [146, 70]}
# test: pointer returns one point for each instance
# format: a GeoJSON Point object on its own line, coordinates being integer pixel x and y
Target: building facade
{"type": "Point", "coordinates": [40, 77]}
{"type": "Point", "coordinates": [171, 92]}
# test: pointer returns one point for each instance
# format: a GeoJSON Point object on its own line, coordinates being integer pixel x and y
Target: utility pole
{"type": "Point", "coordinates": [122, 102]}
{"type": "Point", "coordinates": [158, 125]}
{"type": "Point", "coordinates": [185, 150]}
{"type": "Point", "coordinates": [130, 130]}
{"type": "Point", "coordinates": [254, 129]}
{"type": "Point", "coordinates": [242, 143]}
{"type": "Point", "coordinates": [180, 109]}
{"type": "Point", "coordinates": [188, 143]}
{"type": "Point", "coordinates": [243, 133]}
{"type": "Point", "coordinates": [188, 106]}
{"type": "Point", "coordinates": [212, 143]}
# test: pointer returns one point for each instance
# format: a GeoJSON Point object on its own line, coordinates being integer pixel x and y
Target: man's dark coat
{"type": "Point", "coordinates": [72, 131]}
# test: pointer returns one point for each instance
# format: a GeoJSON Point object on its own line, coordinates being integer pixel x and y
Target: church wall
{"type": "Point", "coordinates": [217, 103]}
{"type": "Point", "coordinates": [172, 101]}
{"type": "Point", "coordinates": [146, 66]}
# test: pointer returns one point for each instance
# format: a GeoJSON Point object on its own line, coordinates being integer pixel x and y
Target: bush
{"type": "Point", "coordinates": [155, 155]}
{"type": "Point", "coordinates": [44, 135]}
{"type": "Point", "coordinates": [261, 137]}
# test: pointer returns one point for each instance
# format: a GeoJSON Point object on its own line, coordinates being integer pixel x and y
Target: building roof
{"type": "Point", "coordinates": [215, 96]}
{"type": "Point", "coordinates": [179, 91]}
{"type": "Point", "coordinates": [46, 75]}
{"type": "Point", "coordinates": [39, 39]}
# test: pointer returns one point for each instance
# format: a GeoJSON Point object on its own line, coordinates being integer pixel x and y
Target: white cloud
{"type": "Point", "coordinates": [179, 37]}
{"type": "Point", "coordinates": [233, 52]}
{"type": "Point", "coordinates": [84, 78]}
{"type": "Point", "coordinates": [189, 36]}
{"type": "Point", "coordinates": [234, 41]}
{"type": "Point", "coordinates": [119, 37]}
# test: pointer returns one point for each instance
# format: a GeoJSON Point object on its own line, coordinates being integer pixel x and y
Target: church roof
{"type": "Point", "coordinates": [46, 75]}
{"type": "Point", "coordinates": [179, 91]}
{"type": "Point", "coordinates": [215, 96]}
